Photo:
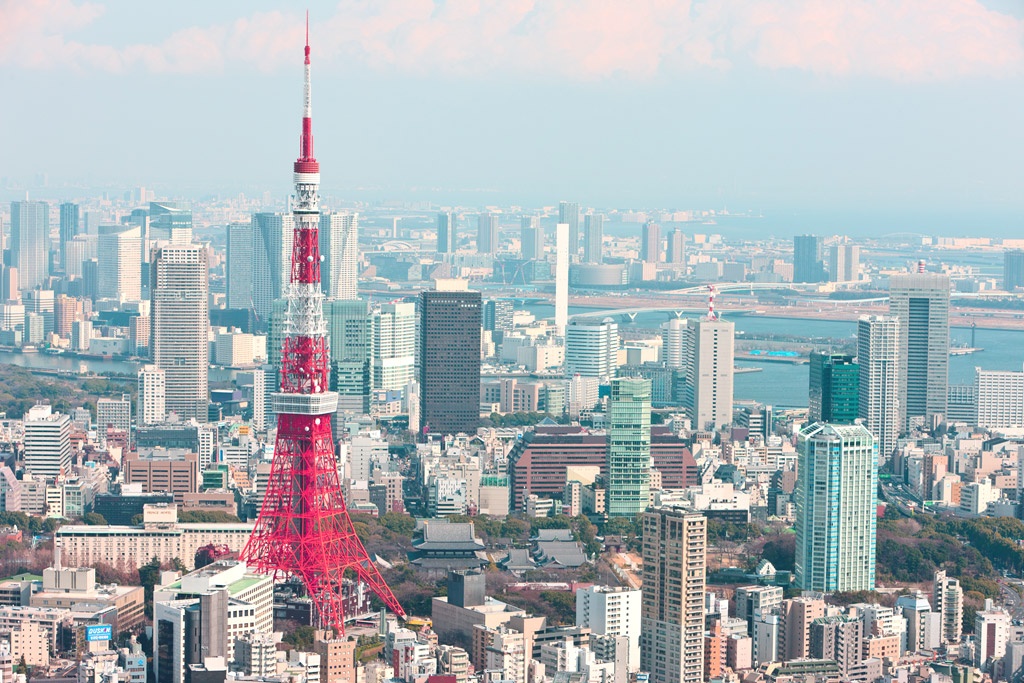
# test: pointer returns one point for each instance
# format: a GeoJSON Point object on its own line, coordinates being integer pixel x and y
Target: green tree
{"type": "Point", "coordinates": [564, 604]}
{"type": "Point", "coordinates": [94, 519]}
{"type": "Point", "coordinates": [398, 523]}
{"type": "Point", "coordinates": [301, 638]}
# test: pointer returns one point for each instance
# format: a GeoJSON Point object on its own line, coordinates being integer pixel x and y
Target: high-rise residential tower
{"type": "Point", "coordinates": [348, 327]}
{"type": "Point", "coordinates": [843, 263]}
{"type": "Point", "coordinates": [807, 263]}
{"type": "Point", "coordinates": [836, 508]}
{"type": "Point", "coordinates": [47, 442]}
{"type": "Point", "coordinates": [921, 303]}
{"type": "Point", "coordinates": [69, 221]}
{"type": "Point", "coordinates": [30, 242]}
{"type": "Point", "coordinates": [152, 398]}
{"type": "Point", "coordinates": [448, 358]}
{"type": "Point", "coordinates": [569, 213]}
{"type": "Point", "coordinates": [629, 447]}
{"type": "Point", "coordinates": [239, 265]}
{"type": "Point", "coordinates": [948, 601]}
{"type": "Point", "coordinates": [181, 328]}
{"type": "Point", "coordinates": [446, 237]}
{"type": "Point", "coordinates": [1013, 269]}
{"type": "Point", "coordinates": [531, 238]}
{"type": "Point", "coordinates": [676, 252]}
{"type": "Point", "coordinates": [591, 347]}
{"type": "Point", "coordinates": [650, 243]}
{"type": "Point", "coordinates": [834, 394]}
{"type": "Point", "coordinates": [709, 356]}
{"type": "Point", "coordinates": [272, 252]}
{"type": "Point", "coordinates": [393, 345]}
{"type": "Point", "coordinates": [487, 233]}
{"type": "Point", "coordinates": [339, 246]}
{"type": "Point", "coordinates": [672, 604]}
{"type": "Point", "coordinates": [878, 358]}
{"type": "Point", "coordinates": [120, 265]}
{"type": "Point", "coordinates": [593, 236]}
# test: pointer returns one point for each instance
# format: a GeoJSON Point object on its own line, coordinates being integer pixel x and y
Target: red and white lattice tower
{"type": "Point", "coordinates": [304, 529]}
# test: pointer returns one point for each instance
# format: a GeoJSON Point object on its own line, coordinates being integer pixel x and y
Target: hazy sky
{"type": "Point", "coordinates": [903, 104]}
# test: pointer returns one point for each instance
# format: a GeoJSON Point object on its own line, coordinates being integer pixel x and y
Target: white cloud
{"type": "Point", "coordinates": [579, 39]}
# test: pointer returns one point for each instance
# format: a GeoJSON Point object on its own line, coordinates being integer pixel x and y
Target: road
{"type": "Point", "coordinates": [1011, 600]}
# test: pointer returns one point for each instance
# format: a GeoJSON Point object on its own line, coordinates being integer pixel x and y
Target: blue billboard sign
{"type": "Point", "coordinates": [98, 633]}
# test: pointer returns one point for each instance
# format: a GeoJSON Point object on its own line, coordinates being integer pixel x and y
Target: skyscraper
{"type": "Point", "coordinates": [629, 447]}
{"type": "Point", "coordinates": [673, 343]}
{"type": "Point", "coordinates": [569, 213]}
{"type": "Point", "coordinates": [152, 397]}
{"type": "Point", "coordinates": [446, 237]}
{"type": "Point", "coordinates": [672, 604]}
{"type": "Point", "coordinates": [650, 243]}
{"type": "Point", "coordinates": [1013, 269]}
{"type": "Point", "coordinates": [68, 228]}
{"type": "Point", "coordinates": [499, 315]}
{"type": "Point", "coordinates": [591, 347]}
{"type": "Point", "coordinates": [807, 265]}
{"type": "Point", "coordinates": [676, 252]}
{"type": "Point", "coordinates": [563, 253]}
{"type": "Point", "coordinates": [593, 235]}
{"type": "Point", "coordinates": [448, 358]}
{"type": "Point", "coordinates": [836, 508]}
{"type": "Point", "coordinates": [531, 238]}
{"type": "Point", "coordinates": [120, 265]}
{"type": "Point", "coordinates": [878, 351]}
{"type": "Point", "coordinates": [348, 327]}
{"type": "Point", "coordinates": [180, 328]}
{"type": "Point", "coordinates": [843, 263]}
{"type": "Point", "coordinates": [47, 442]}
{"type": "Point", "coordinates": [339, 247]}
{"type": "Point", "coordinates": [709, 372]}
{"type": "Point", "coordinates": [239, 266]}
{"type": "Point", "coordinates": [487, 233]}
{"type": "Point", "coordinates": [30, 242]}
{"type": "Point", "coordinates": [921, 303]}
{"type": "Point", "coordinates": [171, 221]}
{"type": "Point", "coordinates": [948, 600]}
{"type": "Point", "coordinates": [393, 345]}
{"type": "Point", "coordinates": [273, 234]}
{"type": "Point", "coordinates": [834, 392]}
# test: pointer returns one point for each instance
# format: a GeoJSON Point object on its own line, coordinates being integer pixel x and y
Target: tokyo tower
{"type": "Point", "coordinates": [303, 528]}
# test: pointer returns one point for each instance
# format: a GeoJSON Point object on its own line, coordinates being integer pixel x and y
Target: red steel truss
{"type": "Point", "coordinates": [304, 529]}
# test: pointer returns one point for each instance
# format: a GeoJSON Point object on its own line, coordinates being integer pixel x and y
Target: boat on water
{"type": "Point", "coordinates": [53, 351]}
{"type": "Point", "coordinates": [964, 350]}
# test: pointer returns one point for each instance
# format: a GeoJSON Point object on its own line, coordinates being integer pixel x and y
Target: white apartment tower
{"type": "Point", "coordinates": [152, 396]}
{"type": "Point", "coordinates": [181, 328]}
{"type": "Point", "coordinates": [836, 508]}
{"type": "Point", "coordinates": [672, 602]}
{"type": "Point", "coordinates": [339, 248]}
{"type": "Point", "coordinates": [878, 349]}
{"type": "Point", "coordinates": [591, 347]}
{"type": "Point", "coordinates": [709, 354]}
{"type": "Point", "coordinates": [393, 345]}
{"type": "Point", "coordinates": [273, 234]}
{"type": "Point", "coordinates": [114, 413]}
{"type": "Point", "coordinates": [673, 343]}
{"type": "Point", "coordinates": [1000, 396]}
{"type": "Point", "coordinates": [948, 598]}
{"type": "Point", "coordinates": [921, 303]}
{"type": "Point", "coordinates": [47, 442]}
{"type": "Point", "coordinates": [119, 267]}
{"type": "Point", "coordinates": [612, 611]}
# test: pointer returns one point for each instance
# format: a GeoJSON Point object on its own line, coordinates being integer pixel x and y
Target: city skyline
{"type": "Point", "coordinates": [921, 123]}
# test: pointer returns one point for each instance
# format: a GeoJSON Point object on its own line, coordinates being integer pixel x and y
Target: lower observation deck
{"type": "Point", "coordinates": [304, 404]}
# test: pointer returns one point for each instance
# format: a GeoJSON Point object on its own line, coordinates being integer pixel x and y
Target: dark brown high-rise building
{"type": "Point", "coordinates": [448, 358]}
